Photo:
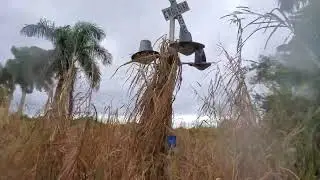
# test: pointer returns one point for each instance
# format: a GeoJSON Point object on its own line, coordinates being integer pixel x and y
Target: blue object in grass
{"type": "Point", "coordinates": [172, 141]}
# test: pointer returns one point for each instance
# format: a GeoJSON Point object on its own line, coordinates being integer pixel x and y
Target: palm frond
{"type": "Point", "coordinates": [44, 29]}
{"type": "Point", "coordinates": [87, 39]}
{"type": "Point", "coordinates": [91, 30]}
{"type": "Point", "coordinates": [90, 69]}
{"type": "Point", "coordinates": [102, 53]}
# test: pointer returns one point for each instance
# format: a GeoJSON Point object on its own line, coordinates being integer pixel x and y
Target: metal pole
{"type": "Point", "coordinates": [172, 23]}
{"type": "Point", "coordinates": [171, 29]}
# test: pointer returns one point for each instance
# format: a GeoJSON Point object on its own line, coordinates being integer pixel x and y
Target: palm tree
{"type": "Point", "coordinates": [26, 70]}
{"type": "Point", "coordinates": [79, 44]}
{"type": "Point", "coordinates": [15, 76]}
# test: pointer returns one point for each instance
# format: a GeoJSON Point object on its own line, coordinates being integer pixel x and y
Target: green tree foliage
{"type": "Point", "coordinates": [293, 77]}
{"type": "Point", "coordinates": [27, 70]}
{"type": "Point", "coordinates": [291, 5]}
{"type": "Point", "coordinates": [78, 44]}
{"type": "Point", "coordinates": [7, 87]}
{"type": "Point", "coordinates": [296, 65]}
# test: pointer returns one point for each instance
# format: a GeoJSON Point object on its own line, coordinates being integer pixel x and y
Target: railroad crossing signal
{"type": "Point", "coordinates": [185, 45]}
{"type": "Point", "coordinates": [175, 11]}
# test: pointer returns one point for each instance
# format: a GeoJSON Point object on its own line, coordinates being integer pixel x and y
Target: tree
{"type": "Point", "coordinates": [306, 30]}
{"type": "Point", "coordinates": [291, 5]}
{"type": "Point", "coordinates": [292, 76]}
{"type": "Point", "coordinates": [79, 44]}
{"type": "Point", "coordinates": [27, 71]}
{"type": "Point", "coordinates": [7, 86]}
{"type": "Point", "coordinates": [298, 58]}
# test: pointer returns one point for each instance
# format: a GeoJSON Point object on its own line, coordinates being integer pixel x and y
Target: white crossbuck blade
{"type": "Point", "coordinates": [175, 11]}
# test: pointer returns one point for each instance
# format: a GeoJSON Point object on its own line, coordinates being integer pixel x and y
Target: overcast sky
{"type": "Point", "coordinates": [126, 23]}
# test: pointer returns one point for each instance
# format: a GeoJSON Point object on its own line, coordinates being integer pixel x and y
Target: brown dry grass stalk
{"type": "Point", "coordinates": [252, 147]}
{"type": "Point", "coordinates": [152, 111]}
{"type": "Point", "coordinates": [101, 151]}
{"type": "Point", "coordinates": [90, 150]}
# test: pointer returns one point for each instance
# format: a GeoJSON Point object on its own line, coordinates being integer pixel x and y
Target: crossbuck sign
{"type": "Point", "coordinates": [175, 11]}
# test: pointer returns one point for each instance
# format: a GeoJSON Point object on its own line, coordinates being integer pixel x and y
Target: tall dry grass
{"type": "Point", "coordinates": [240, 148]}
{"type": "Point", "coordinates": [89, 150]}
{"type": "Point", "coordinates": [155, 84]}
